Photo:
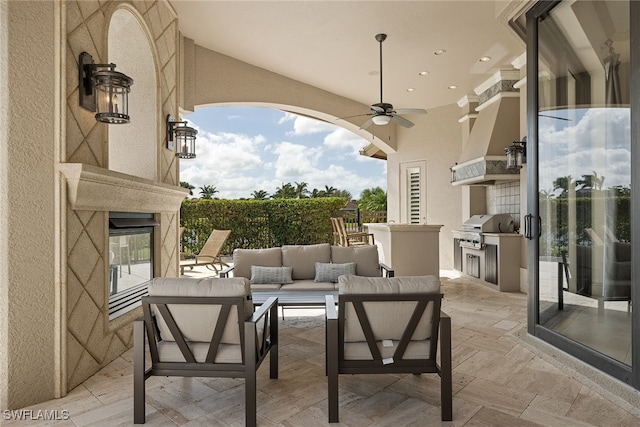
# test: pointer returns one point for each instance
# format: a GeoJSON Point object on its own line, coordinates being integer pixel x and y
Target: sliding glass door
{"type": "Point", "coordinates": [580, 192]}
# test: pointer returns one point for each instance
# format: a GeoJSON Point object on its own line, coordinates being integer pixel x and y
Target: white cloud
{"type": "Point", "coordinates": [305, 125]}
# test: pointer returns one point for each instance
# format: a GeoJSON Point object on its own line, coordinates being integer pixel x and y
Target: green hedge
{"type": "Point", "coordinates": [258, 223]}
{"type": "Point", "coordinates": [555, 213]}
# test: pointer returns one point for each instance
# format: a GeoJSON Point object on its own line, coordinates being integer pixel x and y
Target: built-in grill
{"type": "Point", "coordinates": [470, 235]}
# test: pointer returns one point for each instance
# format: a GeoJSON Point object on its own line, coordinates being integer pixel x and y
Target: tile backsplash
{"type": "Point", "coordinates": [504, 198]}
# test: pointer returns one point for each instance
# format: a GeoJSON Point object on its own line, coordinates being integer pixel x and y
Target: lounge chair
{"type": "Point", "coordinates": [209, 255]}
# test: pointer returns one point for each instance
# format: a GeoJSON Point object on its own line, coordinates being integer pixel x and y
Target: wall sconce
{"type": "Point", "coordinates": [184, 136]}
{"type": "Point", "coordinates": [104, 90]}
{"type": "Point", "coordinates": [517, 154]}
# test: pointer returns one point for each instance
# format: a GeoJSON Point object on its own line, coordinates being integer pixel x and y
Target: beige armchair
{"type": "Point", "coordinates": [388, 326]}
{"type": "Point", "coordinates": [204, 328]}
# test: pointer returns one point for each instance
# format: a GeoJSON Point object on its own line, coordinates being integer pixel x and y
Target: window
{"type": "Point", "coordinates": [412, 187]}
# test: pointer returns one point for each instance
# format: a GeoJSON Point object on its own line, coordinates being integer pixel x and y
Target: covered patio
{"type": "Point", "coordinates": [500, 378]}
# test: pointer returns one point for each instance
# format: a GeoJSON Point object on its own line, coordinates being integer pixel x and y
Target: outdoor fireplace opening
{"type": "Point", "coordinates": [130, 259]}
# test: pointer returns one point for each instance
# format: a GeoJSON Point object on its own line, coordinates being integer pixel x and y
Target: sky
{"type": "Point", "coordinates": [243, 149]}
{"type": "Point", "coordinates": [585, 141]}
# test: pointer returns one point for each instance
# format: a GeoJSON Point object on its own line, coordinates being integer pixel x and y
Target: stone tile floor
{"type": "Point", "coordinates": [499, 380]}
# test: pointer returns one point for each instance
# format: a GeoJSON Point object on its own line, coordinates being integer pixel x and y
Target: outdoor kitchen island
{"type": "Point", "coordinates": [409, 249]}
{"type": "Point", "coordinates": [485, 249]}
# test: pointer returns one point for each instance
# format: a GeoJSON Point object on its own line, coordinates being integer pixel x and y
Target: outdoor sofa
{"type": "Point", "coordinates": [302, 275]}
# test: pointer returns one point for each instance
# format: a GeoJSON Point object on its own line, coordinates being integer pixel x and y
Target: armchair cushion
{"type": "Point", "coordinates": [388, 319]}
{"type": "Point", "coordinates": [270, 275]}
{"type": "Point", "coordinates": [365, 258]}
{"type": "Point", "coordinates": [197, 322]}
{"type": "Point", "coordinates": [329, 272]}
{"type": "Point", "coordinates": [303, 258]}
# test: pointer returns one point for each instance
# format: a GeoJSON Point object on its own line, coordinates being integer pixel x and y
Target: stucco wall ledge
{"type": "Point", "coordinates": [96, 189]}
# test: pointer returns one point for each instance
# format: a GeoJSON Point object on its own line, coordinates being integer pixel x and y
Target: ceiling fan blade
{"type": "Point", "coordinates": [411, 111]}
{"type": "Point", "coordinates": [357, 115]}
{"type": "Point", "coordinates": [366, 124]}
{"type": "Point", "coordinates": [402, 121]}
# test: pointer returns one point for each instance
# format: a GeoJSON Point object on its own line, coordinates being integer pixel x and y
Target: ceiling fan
{"type": "Point", "coordinates": [382, 112]}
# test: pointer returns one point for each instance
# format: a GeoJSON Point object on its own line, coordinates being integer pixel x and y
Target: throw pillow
{"type": "Point", "coordinates": [269, 275]}
{"type": "Point", "coordinates": [328, 272]}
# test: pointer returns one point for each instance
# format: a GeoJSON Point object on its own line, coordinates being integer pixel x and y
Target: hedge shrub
{"type": "Point", "coordinates": [258, 223]}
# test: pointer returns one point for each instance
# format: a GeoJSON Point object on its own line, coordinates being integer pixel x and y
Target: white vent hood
{"type": "Point", "coordinates": [483, 160]}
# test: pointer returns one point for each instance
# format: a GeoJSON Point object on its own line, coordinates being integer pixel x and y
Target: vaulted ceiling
{"type": "Point", "coordinates": [331, 44]}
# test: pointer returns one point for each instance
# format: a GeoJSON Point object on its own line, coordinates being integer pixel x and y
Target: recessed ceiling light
{"type": "Point", "coordinates": [452, 87]}
{"type": "Point", "coordinates": [423, 73]}
{"type": "Point", "coordinates": [484, 59]}
{"type": "Point", "coordinates": [410, 89]}
{"type": "Point", "coordinates": [440, 52]}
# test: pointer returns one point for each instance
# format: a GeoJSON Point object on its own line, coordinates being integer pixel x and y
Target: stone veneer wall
{"type": "Point", "coordinates": [93, 341]}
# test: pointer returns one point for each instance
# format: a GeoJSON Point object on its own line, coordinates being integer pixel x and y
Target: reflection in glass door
{"type": "Point", "coordinates": [584, 175]}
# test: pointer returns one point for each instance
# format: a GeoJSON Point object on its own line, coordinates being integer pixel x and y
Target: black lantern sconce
{"type": "Point", "coordinates": [517, 154]}
{"type": "Point", "coordinates": [104, 90]}
{"type": "Point", "coordinates": [178, 133]}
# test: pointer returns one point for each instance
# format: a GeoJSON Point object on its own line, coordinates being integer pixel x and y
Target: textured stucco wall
{"type": "Point", "coordinates": [436, 138]}
{"type": "Point", "coordinates": [54, 328]}
{"type": "Point", "coordinates": [92, 340]}
{"type": "Point", "coordinates": [28, 286]}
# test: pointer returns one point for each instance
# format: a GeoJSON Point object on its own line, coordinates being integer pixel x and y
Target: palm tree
{"type": "Point", "coordinates": [301, 190]}
{"type": "Point", "coordinates": [185, 184]}
{"type": "Point", "coordinates": [259, 195]}
{"type": "Point", "coordinates": [373, 199]}
{"type": "Point", "coordinates": [329, 191]}
{"type": "Point", "coordinates": [287, 191]}
{"type": "Point", "coordinates": [563, 183]}
{"type": "Point", "coordinates": [207, 191]}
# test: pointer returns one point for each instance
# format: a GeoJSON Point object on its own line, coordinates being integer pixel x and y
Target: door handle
{"type": "Point", "coordinates": [527, 226]}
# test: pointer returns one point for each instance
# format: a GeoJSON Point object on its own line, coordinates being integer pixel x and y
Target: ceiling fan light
{"type": "Point", "coordinates": [381, 119]}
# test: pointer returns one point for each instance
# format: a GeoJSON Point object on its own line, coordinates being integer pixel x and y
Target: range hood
{"type": "Point", "coordinates": [483, 160]}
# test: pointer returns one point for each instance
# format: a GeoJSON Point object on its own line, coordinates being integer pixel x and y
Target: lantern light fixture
{"type": "Point", "coordinates": [516, 154]}
{"type": "Point", "coordinates": [104, 90]}
{"type": "Point", "coordinates": [181, 136]}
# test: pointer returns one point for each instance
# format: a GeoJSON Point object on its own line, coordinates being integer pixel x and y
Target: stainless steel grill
{"type": "Point", "coordinates": [470, 235]}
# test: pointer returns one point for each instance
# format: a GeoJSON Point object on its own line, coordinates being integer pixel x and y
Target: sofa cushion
{"type": "Point", "coordinates": [329, 272]}
{"type": "Point", "coordinates": [243, 259]}
{"type": "Point", "coordinates": [270, 275]}
{"type": "Point", "coordinates": [197, 322]}
{"type": "Point", "coordinates": [388, 318]}
{"type": "Point", "coordinates": [303, 259]}
{"type": "Point", "coordinates": [365, 258]}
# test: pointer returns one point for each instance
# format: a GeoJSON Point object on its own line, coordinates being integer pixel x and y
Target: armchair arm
{"type": "Point", "coordinates": [225, 273]}
{"type": "Point", "coordinates": [266, 306]}
{"type": "Point", "coordinates": [331, 344]}
{"type": "Point", "coordinates": [386, 270]}
{"type": "Point", "coordinates": [446, 387]}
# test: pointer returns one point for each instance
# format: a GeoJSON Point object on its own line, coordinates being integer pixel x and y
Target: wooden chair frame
{"type": "Point", "coordinates": [253, 351]}
{"type": "Point", "coordinates": [350, 238]}
{"type": "Point", "coordinates": [336, 363]}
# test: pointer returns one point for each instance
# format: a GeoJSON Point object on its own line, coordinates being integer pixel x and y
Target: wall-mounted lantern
{"type": "Point", "coordinates": [516, 154]}
{"type": "Point", "coordinates": [104, 90]}
{"type": "Point", "coordinates": [182, 136]}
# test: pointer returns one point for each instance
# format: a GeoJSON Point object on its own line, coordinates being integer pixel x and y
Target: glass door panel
{"type": "Point", "coordinates": [584, 175]}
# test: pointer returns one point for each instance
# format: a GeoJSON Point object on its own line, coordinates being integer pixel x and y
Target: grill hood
{"type": "Point", "coordinates": [483, 160]}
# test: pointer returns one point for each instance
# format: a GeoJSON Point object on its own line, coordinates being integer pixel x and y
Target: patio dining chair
{"type": "Point", "coordinates": [351, 238]}
{"type": "Point", "coordinates": [388, 326]}
{"type": "Point", "coordinates": [204, 328]}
